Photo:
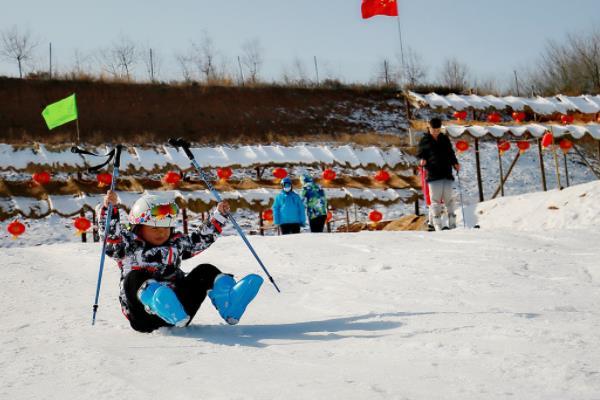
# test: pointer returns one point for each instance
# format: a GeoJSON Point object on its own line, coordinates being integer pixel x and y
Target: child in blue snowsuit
{"type": "Point", "coordinates": [155, 292]}
{"type": "Point", "coordinates": [288, 209]}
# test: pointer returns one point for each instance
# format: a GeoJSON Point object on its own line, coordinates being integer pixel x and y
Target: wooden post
{"type": "Point", "coordinates": [83, 235]}
{"type": "Point", "coordinates": [347, 220]}
{"type": "Point", "coordinates": [566, 169]}
{"type": "Point", "coordinates": [542, 169]}
{"type": "Point", "coordinates": [407, 106]}
{"type": "Point", "coordinates": [95, 235]}
{"type": "Point", "coordinates": [259, 173]}
{"type": "Point", "coordinates": [417, 212]}
{"type": "Point", "coordinates": [507, 175]}
{"type": "Point", "coordinates": [184, 216]}
{"type": "Point", "coordinates": [500, 168]}
{"type": "Point", "coordinates": [261, 224]}
{"type": "Point", "coordinates": [478, 165]}
{"type": "Point", "coordinates": [598, 150]}
{"type": "Point", "coordinates": [556, 167]}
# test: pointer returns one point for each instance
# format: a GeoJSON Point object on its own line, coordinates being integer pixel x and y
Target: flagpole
{"type": "Point", "coordinates": [401, 44]}
{"type": "Point", "coordinates": [77, 126]}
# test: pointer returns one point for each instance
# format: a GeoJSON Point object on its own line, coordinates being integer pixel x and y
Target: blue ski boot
{"type": "Point", "coordinates": [231, 298]}
{"type": "Point", "coordinates": [161, 300]}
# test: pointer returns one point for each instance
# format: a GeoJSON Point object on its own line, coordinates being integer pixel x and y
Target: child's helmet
{"type": "Point", "coordinates": [286, 182]}
{"type": "Point", "coordinates": [154, 210]}
{"type": "Point", "coordinates": [306, 178]}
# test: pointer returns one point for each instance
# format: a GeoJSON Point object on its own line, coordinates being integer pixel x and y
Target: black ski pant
{"type": "Point", "coordinates": [318, 223]}
{"type": "Point", "coordinates": [289, 228]}
{"type": "Point", "coordinates": [190, 290]}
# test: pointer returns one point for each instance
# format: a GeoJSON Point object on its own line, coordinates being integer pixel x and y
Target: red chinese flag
{"type": "Point", "coordinates": [371, 8]}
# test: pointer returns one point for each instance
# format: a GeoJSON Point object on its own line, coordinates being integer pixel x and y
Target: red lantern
{"type": "Point", "coordinates": [82, 224]}
{"type": "Point", "coordinates": [280, 173]}
{"type": "Point", "coordinates": [518, 116]}
{"type": "Point", "coordinates": [565, 145]}
{"type": "Point", "coordinates": [224, 173]}
{"type": "Point", "coordinates": [460, 115]}
{"type": "Point", "coordinates": [172, 178]}
{"type": "Point", "coordinates": [494, 118]}
{"type": "Point", "coordinates": [523, 146]}
{"type": "Point", "coordinates": [503, 146]}
{"type": "Point", "coordinates": [267, 215]}
{"type": "Point", "coordinates": [567, 119]}
{"type": "Point", "coordinates": [462, 145]}
{"type": "Point", "coordinates": [375, 216]}
{"type": "Point", "coordinates": [329, 174]}
{"type": "Point", "coordinates": [382, 176]}
{"type": "Point", "coordinates": [329, 216]}
{"type": "Point", "coordinates": [547, 139]}
{"type": "Point", "coordinates": [41, 178]}
{"type": "Point", "coordinates": [104, 179]}
{"type": "Point", "coordinates": [15, 228]}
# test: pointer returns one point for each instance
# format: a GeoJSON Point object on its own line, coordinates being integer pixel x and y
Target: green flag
{"type": "Point", "coordinates": [61, 112]}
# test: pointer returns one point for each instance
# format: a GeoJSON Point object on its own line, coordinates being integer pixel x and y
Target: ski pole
{"type": "Point", "coordinates": [177, 143]}
{"type": "Point", "coordinates": [116, 154]}
{"type": "Point", "coordinates": [461, 199]}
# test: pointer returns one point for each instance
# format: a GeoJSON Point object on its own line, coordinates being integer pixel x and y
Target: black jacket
{"type": "Point", "coordinates": [439, 156]}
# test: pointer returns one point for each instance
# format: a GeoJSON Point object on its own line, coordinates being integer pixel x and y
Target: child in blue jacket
{"type": "Point", "coordinates": [288, 209]}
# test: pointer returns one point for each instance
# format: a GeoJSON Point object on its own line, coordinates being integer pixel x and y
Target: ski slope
{"type": "Point", "coordinates": [493, 313]}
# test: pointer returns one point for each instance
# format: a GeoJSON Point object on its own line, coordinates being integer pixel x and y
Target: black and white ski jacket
{"type": "Point", "coordinates": [132, 253]}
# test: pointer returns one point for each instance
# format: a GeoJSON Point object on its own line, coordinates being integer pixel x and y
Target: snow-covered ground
{"type": "Point", "coordinates": [500, 312]}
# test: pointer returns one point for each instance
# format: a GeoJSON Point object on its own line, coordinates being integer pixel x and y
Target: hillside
{"type": "Point", "coordinates": [147, 113]}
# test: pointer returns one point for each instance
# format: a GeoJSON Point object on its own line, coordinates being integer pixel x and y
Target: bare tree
{"type": "Point", "coordinates": [387, 74]}
{"type": "Point", "coordinates": [17, 46]}
{"type": "Point", "coordinates": [454, 74]}
{"type": "Point", "coordinates": [295, 74]}
{"type": "Point", "coordinates": [120, 59]}
{"type": "Point", "coordinates": [204, 56]}
{"type": "Point", "coordinates": [571, 67]}
{"type": "Point", "coordinates": [252, 59]}
{"type": "Point", "coordinates": [415, 71]}
{"type": "Point", "coordinates": [186, 64]}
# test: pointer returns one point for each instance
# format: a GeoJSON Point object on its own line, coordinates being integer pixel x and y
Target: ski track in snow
{"type": "Point", "coordinates": [462, 314]}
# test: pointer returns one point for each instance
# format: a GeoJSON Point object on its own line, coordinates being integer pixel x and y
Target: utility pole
{"type": "Point", "coordinates": [151, 66]}
{"type": "Point", "coordinates": [241, 71]}
{"type": "Point", "coordinates": [50, 58]}
{"type": "Point", "coordinates": [317, 70]}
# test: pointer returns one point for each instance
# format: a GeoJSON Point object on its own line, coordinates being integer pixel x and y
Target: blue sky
{"type": "Point", "coordinates": [492, 37]}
